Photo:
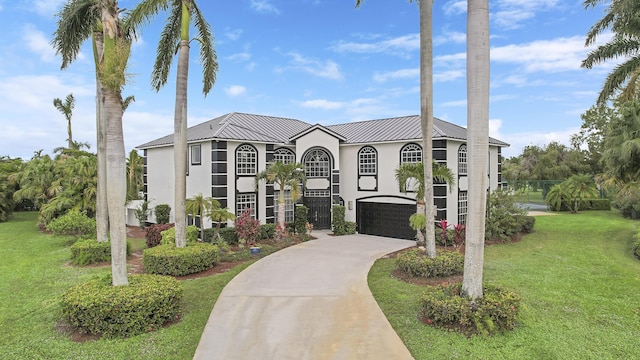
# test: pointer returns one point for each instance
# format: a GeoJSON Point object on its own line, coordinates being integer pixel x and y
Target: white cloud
{"type": "Point", "coordinates": [455, 7]}
{"type": "Point", "coordinates": [402, 45]}
{"type": "Point", "coordinates": [233, 34]}
{"type": "Point", "coordinates": [235, 90]}
{"type": "Point", "coordinates": [38, 43]}
{"type": "Point", "coordinates": [45, 7]}
{"type": "Point", "coordinates": [323, 104]}
{"type": "Point", "coordinates": [324, 69]}
{"type": "Point", "coordinates": [398, 74]}
{"type": "Point", "coordinates": [519, 140]}
{"type": "Point", "coordinates": [239, 57]}
{"type": "Point", "coordinates": [449, 37]}
{"type": "Point", "coordinates": [264, 7]}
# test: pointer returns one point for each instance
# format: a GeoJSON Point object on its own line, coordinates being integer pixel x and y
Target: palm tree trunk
{"type": "Point", "coordinates": [116, 186]}
{"type": "Point", "coordinates": [426, 120]}
{"type": "Point", "coordinates": [281, 208]}
{"type": "Point", "coordinates": [102, 212]}
{"type": "Point", "coordinates": [420, 238]}
{"type": "Point", "coordinates": [180, 143]}
{"type": "Point", "coordinates": [478, 142]}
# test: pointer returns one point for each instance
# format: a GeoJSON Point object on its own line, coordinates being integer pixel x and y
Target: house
{"type": "Point", "coordinates": [352, 164]}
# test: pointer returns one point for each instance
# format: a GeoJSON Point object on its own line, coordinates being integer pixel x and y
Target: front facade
{"type": "Point", "coordinates": [349, 164]}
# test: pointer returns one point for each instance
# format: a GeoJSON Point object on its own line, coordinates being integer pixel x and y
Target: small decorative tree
{"type": "Point", "coordinates": [162, 213]}
{"type": "Point", "coordinates": [248, 228]}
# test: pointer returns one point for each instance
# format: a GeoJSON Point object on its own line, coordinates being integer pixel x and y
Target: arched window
{"type": "Point", "coordinates": [462, 160]}
{"type": "Point", "coordinates": [284, 155]}
{"type": "Point", "coordinates": [317, 164]}
{"type": "Point", "coordinates": [411, 153]}
{"type": "Point", "coordinates": [246, 160]}
{"type": "Point", "coordinates": [367, 161]}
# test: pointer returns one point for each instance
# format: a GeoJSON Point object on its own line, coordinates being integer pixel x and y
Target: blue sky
{"type": "Point", "coordinates": [320, 61]}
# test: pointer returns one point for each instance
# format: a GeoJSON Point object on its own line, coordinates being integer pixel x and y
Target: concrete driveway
{"type": "Point", "coordinates": [309, 301]}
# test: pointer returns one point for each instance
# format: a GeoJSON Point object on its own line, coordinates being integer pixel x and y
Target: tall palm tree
{"type": "Point", "coordinates": [426, 115]}
{"type": "Point", "coordinates": [201, 206]}
{"type": "Point", "coordinates": [100, 19]}
{"type": "Point", "coordinates": [176, 33]}
{"type": "Point", "coordinates": [623, 18]}
{"type": "Point", "coordinates": [478, 142]}
{"type": "Point", "coordinates": [134, 175]}
{"type": "Point", "coordinates": [289, 176]}
{"type": "Point", "coordinates": [410, 176]}
{"type": "Point", "coordinates": [66, 108]}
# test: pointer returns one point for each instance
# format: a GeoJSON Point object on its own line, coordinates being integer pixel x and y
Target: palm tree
{"type": "Point", "coordinates": [289, 176]}
{"type": "Point", "coordinates": [135, 168]}
{"type": "Point", "coordinates": [201, 206]}
{"type": "Point", "coordinates": [426, 115]}
{"type": "Point", "coordinates": [478, 142]}
{"type": "Point", "coordinates": [623, 18]}
{"type": "Point", "coordinates": [410, 176]}
{"type": "Point", "coordinates": [66, 109]}
{"type": "Point", "coordinates": [100, 19]}
{"type": "Point", "coordinates": [220, 215]}
{"type": "Point", "coordinates": [176, 33]}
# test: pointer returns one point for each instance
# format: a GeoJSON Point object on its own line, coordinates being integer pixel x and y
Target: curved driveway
{"type": "Point", "coordinates": [309, 301]}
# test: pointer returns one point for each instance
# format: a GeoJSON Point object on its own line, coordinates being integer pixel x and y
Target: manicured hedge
{"type": "Point", "coordinates": [169, 260]}
{"type": "Point", "coordinates": [97, 307]}
{"type": "Point", "coordinates": [526, 223]}
{"type": "Point", "coordinates": [496, 312]}
{"type": "Point", "coordinates": [589, 204]}
{"type": "Point", "coordinates": [73, 223]}
{"type": "Point", "coordinates": [416, 263]}
{"type": "Point", "coordinates": [86, 252]}
{"type": "Point", "coordinates": [169, 235]}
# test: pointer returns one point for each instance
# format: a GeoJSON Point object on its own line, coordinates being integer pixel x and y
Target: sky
{"type": "Point", "coordinates": [320, 61]}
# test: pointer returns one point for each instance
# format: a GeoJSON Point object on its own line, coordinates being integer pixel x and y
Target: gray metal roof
{"type": "Point", "coordinates": [262, 128]}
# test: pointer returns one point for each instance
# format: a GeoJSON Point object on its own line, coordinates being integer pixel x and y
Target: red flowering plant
{"type": "Point", "coordinates": [247, 227]}
{"type": "Point", "coordinates": [460, 234]}
{"type": "Point", "coordinates": [444, 235]}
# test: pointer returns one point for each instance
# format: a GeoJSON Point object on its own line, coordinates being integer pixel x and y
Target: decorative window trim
{"type": "Point", "coordinates": [368, 161]}
{"type": "Point", "coordinates": [246, 200]}
{"type": "Point", "coordinates": [317, 163]}
{"type": "Point", "coordinates": [462, 160]}
{"type": "Point", "coordinates": [284, 155]}
{"type": "Point", "coordinates": [246, 160]}
{"type": "Point", "coordinates": [411, 153]}
{"type": "Point", "coordinates": [196, 154]}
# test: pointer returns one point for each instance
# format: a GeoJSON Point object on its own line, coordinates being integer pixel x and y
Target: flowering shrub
{"type": "Point", "coordinates": [443, 234]}
{"type": "Point", "coordinates": [153, 234]}
{"type": "Point", "coordinates": [248, 228]}
{"type": "Point", "coordinates": [496, 312]}
{"type": "Point", "coordinates": [416, 263]}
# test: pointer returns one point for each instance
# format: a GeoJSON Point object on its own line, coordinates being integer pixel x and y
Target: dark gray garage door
{"type": "Point", "coordinates": [390, 220]}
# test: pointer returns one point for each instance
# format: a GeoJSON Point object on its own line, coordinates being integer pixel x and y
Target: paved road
{"type": "Point", "coordinates": [309, 301]}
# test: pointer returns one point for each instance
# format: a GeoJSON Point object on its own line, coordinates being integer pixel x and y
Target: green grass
{"type": "Point", "coordinates": [581, 288]}
{"type": "Point", "coordinates": [33, 275]}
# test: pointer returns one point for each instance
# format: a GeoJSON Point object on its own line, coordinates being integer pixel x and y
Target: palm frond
{"type": "Point", "coordinates": [169, 39]}
{"type": "Point", "coordinates": [76, 21]}
{"type": "Point", "coordinates": [208, 56]}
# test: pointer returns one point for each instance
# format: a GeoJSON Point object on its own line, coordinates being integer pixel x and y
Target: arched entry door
{"type": "Point", "coordinates": [317, 193]}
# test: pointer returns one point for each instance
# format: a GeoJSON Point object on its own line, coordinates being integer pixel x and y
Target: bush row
{"type": "Point", "coordinates": [340, 225]}
{"type": "Point", "coordinates": [495, 312]}
{"type": "Point", "coordinates": [169, 260]}
{"type": "Point", "coordinates": [91, 251]}
{"type": "Point", "coordinates": [415, 263]}
{"type": "Point", "coordinates": [97, 307]}
{"type": "Point", "coordinates": [587, 204]}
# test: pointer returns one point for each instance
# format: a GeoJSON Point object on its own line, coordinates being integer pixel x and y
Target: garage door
{"type": "Point", "coordinates": [382, 219]}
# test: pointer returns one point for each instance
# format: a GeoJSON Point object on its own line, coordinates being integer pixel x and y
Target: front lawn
{"type": "Point", "coordinates": [34, 272]}
{"type": "Point", "coordinates": [581, 288]}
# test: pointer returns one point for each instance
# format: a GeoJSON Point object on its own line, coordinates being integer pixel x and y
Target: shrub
{"type": "Point", "coordinates": [142, 214]}
{"type": "Point", "coordinates": [169, 260]}
{"type": "Point", "coordinates": [91, 251]}
{"type": "Point", "coordinates": [163, 211]}
{"type": "Point", "coordinates": [300, 220]}
{"type": "Point", "coordinates": [267, 231]}
{"type": "Point", "coordinates": [74, 224]}
{"type": "Point", "coordinates": [636, 246]}
{"type": "Point", "coordinates": [338, 221]}
{"type": "Point", "coordinates": [169, 235]}
{"type": "Point", "coordinates": [153, 233]}
{"type": "Point", "coordinates": [291, 228]}
{"type": "Point", "coordinates": [229, 235]}
{"type": "Point", "coordinates": [597, 204]}
{"type": "Point", "coordinates": [247, 227]}
{"type": "Point", "coordinates": [526, 223]}
{"type": "Point", "coordinates": [502, 212]}
{"type": "Point", "coordinates": [350, 227]}
{"type": "Point", "coordinates": [97, 307]}
{"type": "Point", "coordinates": [496, 312]}
{"type": "Point", "coordinates": [416, 263]}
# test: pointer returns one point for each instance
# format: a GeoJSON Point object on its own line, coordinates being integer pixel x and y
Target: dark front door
{"type": "Point", "coordinates": [319, 212]}
{"type": "Point", "coordinates": [383, 219]}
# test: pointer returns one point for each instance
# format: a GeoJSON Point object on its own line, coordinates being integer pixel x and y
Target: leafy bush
{"type": "Point", "coordinates": [502, 217]}
{"type": "Point", "coordinates": [247, 227]}
{"type": "Point", "coordinates": [597, 204]}
{"type": "Point", "coordinates": [142, 214]}
{"type": "Point", "coordinates": [229, 235]}
{"type": "Point", "coordinates": [636, 246]}
{"type": "Point", "coordinates": [91, 251]}
{"type": "Point", "coordinates": [526, 223]}
{"type": "Point", "coordinates": [267, 231]}
{"type": "Point", "coordinates": [416, 263]}
{"type": "Point", "coordinates": [338, 220]}
{"type": "Point", "coordinates": [153, 233]}
{"type": "Point", "coordinates": [169, 235]}
{"type": "Point", "coordinates": [291, 227]}
{"type": "Point", "coordinates": [163, 211]}
{"type": "Point", "coordinates": [74, 224]}
{"type": "Point", "coordinates": [496, 312]}
{"type": "Point", "coordinates": [169, 260]}
{"type": "Point", "coordinates": [350, 228]}
{"type": "Point", "coordinates": [300, 220]}
{"type": "Point", "coordinates": [97, 307]}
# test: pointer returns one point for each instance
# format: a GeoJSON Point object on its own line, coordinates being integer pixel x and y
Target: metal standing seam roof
{"type": "Point", "coordinates": [250, 127]}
